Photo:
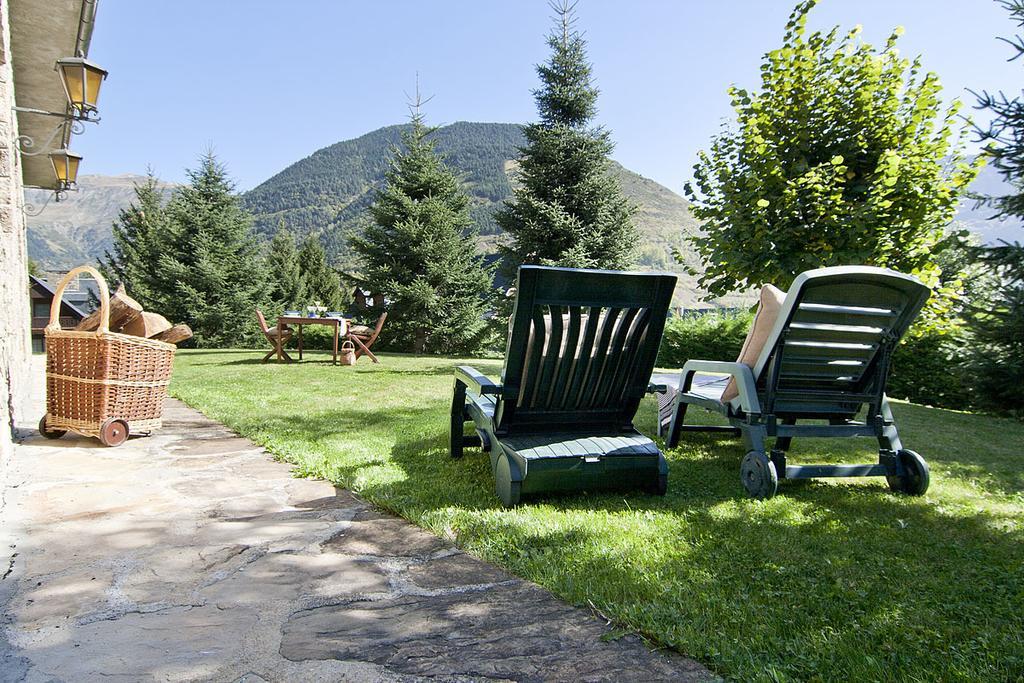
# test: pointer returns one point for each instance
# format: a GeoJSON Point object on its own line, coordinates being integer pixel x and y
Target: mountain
{"type": "Point", "coordinates": [328, 193]}
{"type": "Point", "coordinates": [76, 230]}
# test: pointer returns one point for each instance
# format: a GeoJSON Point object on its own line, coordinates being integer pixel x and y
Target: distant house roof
{"type": "Point", "coordinates": [42, 284]}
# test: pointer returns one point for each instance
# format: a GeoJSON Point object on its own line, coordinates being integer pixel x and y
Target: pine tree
{"type": "Point", "coordinates": [322, 283]}
{"type": "Point", "coordinates": [421, 253]}
{"type": "Point", "coordinates": [210, 274]}
{"type": "Point", "coordinates": [288, 288]}
{"type": "Point", "coordinates": [567, 209]}
{"type": "Point", "coordinates": [138, 234]}
{"type": "Point", "coordinates": [997, 322]}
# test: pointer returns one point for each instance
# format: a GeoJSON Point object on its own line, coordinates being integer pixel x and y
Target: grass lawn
{"type": "Point", "coordinates": [827, 581]}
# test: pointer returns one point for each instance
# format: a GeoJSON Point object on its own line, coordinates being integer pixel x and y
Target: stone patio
{"type": "Point", "coordinates": [192, 555]}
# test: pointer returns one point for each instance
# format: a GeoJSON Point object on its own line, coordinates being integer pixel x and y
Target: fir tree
{"type": "Point", "coordinates": [210, 274]}
{"type": "Point", "coordinates": [567, 208]}
{"type": "Point", "coordinates": [138, 235]}
{"type": "Point", "coordinates": [288, 288]}
{"type": "Point", "coordinates": [997, 321]}
{"type": "Point", "coordinates": [322, 283]}
{"type": "Point", "coordinates": [420, 251]}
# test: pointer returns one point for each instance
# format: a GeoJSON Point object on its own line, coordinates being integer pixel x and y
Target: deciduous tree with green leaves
{"type": "Point", "coordinates": [567, 209]}
{"type": "Point", "coordinates": [420, 252]}
{"type": "Point", "coordinates": [288, 287]}
{"type": "Point", "coordinates": [845, 155]}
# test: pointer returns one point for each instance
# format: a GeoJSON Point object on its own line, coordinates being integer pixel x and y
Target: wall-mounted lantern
{"type": "Point", "coordinates": [81, 80]}
{"type": "Point", "coordinates": [65, 167]}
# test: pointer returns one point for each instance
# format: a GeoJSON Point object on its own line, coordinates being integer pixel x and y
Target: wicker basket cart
{"type": "Point", "coordinates": [102, 383]}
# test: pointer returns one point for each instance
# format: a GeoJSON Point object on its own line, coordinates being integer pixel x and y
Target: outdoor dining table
{"type": "Point", "coordinates": [339, 324]}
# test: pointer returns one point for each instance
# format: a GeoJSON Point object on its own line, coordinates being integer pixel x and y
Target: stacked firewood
{"type": "Point", "coordinates": [127, 317]}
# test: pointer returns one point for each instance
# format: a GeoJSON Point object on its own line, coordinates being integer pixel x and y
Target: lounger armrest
{"type": "Point", "coordinates": [743, 375]}
{"type": "Point", "coordinates": [476, 381]}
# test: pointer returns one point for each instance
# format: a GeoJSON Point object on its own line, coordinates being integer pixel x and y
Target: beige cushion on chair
{"type": "Point", "coordinates": [764, 320]}
{"type": "Point", "coordinates": [360, 330]}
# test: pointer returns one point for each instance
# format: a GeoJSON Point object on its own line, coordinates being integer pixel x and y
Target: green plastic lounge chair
{"type": "Point", "coordinates": [581, 348]}
{"type": "Point", "coordinates": [825, 358]}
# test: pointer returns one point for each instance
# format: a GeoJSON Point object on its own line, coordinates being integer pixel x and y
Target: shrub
{"type": "Point", "coordinates": [715, 335]}
{"type": "Point", "coordinates": [315, 337]}
{"type": "Point", "coordinates": [929, 369]}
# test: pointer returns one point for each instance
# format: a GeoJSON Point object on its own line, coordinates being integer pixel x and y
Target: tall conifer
{"type": "Point", "coordinates": [421, 253]}
{"type": "Point", "coordinates": [567, 208]}
{"type": "Point", "coordinates": [288, 287]}
{"type": "Point", "coordinates": [321, 282]}
{"type": "Point", "coordinates": [210, 272]}
{"type": "Point", "coordinates": [997, 355]}
{"type": "Point", "coordinates": [137, 243]}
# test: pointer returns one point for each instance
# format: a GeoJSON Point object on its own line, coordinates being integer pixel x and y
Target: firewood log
{"type": "Point", "coordinates": [123, 310]}
{"type": "Point", "coordinates": [175, 335]}
{"type": "Point", "coordinates": [147, 325]}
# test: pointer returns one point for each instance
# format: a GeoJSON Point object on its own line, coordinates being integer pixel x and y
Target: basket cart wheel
{"type": "Point", "coordinates": [757, 472]}
{"type": "Point", "coordinates": [50, 433]}
{"type": "Point", "coordinates": [113, 432]}
{"type": "Point", "coordinates": [915, 480]}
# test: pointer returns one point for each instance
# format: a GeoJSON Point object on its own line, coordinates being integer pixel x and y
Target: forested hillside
{"type": "Point", "coordinates": [328, 193]}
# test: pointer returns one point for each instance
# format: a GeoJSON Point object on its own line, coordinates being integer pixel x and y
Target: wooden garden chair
{"type": "Point", "coordinates": [364, 337]}
{"type": "Point", "coordinates": [819, 353]}
{"type": "Point", "coordinates": [581, 348]}
{"type": "Point", "coordinates": [271, 334]}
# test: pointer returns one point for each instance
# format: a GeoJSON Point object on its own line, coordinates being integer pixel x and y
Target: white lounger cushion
{"type": "Point", "coordinates": [760, 330]}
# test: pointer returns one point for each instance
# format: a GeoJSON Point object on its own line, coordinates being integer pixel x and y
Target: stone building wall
{"type": "Point", "coordinates": [14, 309]}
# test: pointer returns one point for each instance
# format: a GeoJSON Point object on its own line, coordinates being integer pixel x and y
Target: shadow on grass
{"type": "Point", "coordinates": [813, 581]}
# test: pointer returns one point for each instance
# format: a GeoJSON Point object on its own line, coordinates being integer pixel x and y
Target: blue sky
{"type": "Point", "coordinates": [267, 83]}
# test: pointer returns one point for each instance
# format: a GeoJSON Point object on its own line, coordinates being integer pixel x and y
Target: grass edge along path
{"type": "Point", "coordinates": [830, 580]}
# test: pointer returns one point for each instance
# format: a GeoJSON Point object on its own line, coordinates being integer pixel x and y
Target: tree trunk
{"type": "Point", "coordinates": [123, 310]}
{"type": "Point", "coordinates": [420, 342]}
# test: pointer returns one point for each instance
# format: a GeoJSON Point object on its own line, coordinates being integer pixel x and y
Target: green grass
{"type": "Point", "coordinates": [830, 580]}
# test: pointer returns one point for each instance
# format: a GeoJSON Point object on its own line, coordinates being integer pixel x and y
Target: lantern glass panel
{"type": "Point", "coordinates": [74, 79]}
{"type": "Point", "coordinates": [93, 79]}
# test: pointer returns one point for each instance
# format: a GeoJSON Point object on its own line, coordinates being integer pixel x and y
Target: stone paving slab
{"type": "Point", "coordinates": [191, 555]}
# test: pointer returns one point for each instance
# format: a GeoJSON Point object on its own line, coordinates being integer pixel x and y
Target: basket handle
{"type": "Point", "coordinates": [104, 298]}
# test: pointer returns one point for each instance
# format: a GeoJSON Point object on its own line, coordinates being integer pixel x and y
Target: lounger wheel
{"type": "Point", "coordinates": [758, 475]}
{"type": "Point", "coordinates": [915, 481]}
{"type": "Point", "coordinates": [50, 433]}
{"type": "Point", "coordinates": [508, 490]}
{"type": "Point", "coordinates": [113, 432]}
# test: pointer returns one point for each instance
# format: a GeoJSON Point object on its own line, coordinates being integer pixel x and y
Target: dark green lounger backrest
{"type": "Point", "coordinates": [581, 348]}
{"type": "Point", "coordinates": [827, 353]}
